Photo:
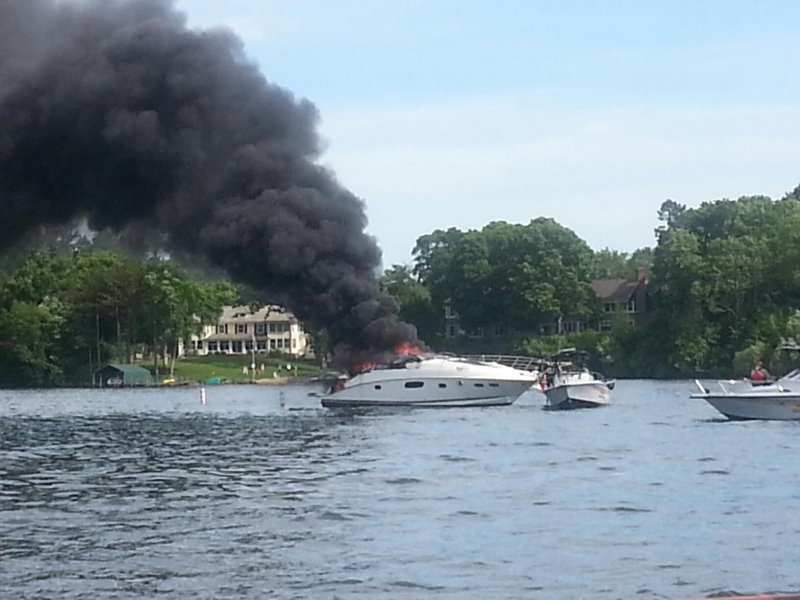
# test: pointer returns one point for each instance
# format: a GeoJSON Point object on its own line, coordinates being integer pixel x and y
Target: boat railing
{"type": "Point", "coordinates": [521, 363]}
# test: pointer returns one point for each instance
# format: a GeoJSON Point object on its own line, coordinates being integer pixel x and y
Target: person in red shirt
{"type": "Point", "coordinates": [759, 374]}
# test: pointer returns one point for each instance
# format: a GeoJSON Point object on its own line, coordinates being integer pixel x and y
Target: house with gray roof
{"type": "Point", "coordinates": [622, 296]}
{"type": "Point", "coordinates": [242, 330]}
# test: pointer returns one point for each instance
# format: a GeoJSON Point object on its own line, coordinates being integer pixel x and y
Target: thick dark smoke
{"type": "Point", "coordinates": [113, 110]}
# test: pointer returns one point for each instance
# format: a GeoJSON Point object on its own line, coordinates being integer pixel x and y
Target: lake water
{"type": "Point", "coordinates": [141, 494]}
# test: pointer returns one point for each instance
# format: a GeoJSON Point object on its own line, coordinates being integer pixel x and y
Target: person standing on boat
{"type": "Point", "coordinates": [759, 374]}
{"type": "Point", "coordinates": [550, 375]}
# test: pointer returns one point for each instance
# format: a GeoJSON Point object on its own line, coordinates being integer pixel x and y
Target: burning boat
{"type": "Point", "coordinates": [432, 381]}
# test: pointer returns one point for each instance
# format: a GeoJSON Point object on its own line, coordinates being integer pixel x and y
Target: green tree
{"type": "Point", "coordinates": [793, 195]}
{"type": "Point", "coordinates": [609, 263]}
{"type": "Point", "coordinates": [509, 276]}
{"type": "Point", "coordinates": [416, 305]}
{"type": "Point", "coordinates": [725, 276]}
{"type": "Point", "coordinates": [65, 314]}
{"type": "Point", "coordinates": [27, 336]}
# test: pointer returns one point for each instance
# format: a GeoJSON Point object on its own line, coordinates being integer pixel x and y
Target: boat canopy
{"type": "Point", "coordinates": [570, 354]}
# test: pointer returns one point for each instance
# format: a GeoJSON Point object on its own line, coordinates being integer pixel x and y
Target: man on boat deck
{"type": "Point", "coordinates": [759, 374]}
{"type": "Point", "coordinates": [549, 375]}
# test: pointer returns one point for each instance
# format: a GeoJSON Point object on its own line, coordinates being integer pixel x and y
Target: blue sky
{"type": "Point", "coordinates": [447, 113]}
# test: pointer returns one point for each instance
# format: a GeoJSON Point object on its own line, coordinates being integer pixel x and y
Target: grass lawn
{"type": "Point", "coordinates": [229, 367]}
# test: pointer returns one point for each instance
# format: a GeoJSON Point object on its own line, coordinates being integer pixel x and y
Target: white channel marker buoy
{"type": "Point", "coordinates": [202, 395]}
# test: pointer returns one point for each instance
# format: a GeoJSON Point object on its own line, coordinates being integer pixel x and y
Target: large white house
{"type": "Point", "coordinates": [240, 331]}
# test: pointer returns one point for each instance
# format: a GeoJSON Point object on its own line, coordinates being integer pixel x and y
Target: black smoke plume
{"type": "Point", "coordinates": [115, 111]}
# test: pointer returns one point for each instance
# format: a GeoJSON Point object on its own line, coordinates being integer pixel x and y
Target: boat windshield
{"type": "Point", "coordinates": [792, 375]}
{"type": "Point", "coordinates": [399, 363]}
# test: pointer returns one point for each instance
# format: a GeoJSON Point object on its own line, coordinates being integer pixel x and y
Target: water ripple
{"type": "Point", "coordinates": [140, 494]}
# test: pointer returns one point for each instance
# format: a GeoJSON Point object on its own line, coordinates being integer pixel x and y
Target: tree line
{"type": "Point", "coordinates": [724, 291]}
{"type": "Point", "coordinates": [64, 314]}
{"type": "Point", "coordinates": [724, 288]}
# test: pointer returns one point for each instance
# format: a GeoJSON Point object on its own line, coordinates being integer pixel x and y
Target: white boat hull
{"type": "Point", "coordinates": [434, 383]}
{"type": "Point", "coordinates": [332, 402]}
{"type": "Point", "coordinates": [584, 394]}
{"type": "Point", "coordinates": [779, 407]}
{"type": "Point", "coordinates": [741, 401]}
{"type": "Point", "coordinates": [457, 393]}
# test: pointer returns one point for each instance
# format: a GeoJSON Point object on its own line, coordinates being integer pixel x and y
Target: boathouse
{"type": "Point", "coordinates": [116, 375]}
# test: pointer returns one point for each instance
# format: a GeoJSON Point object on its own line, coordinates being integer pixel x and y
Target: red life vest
{"type": "Point", "coordinates": [756, 375]}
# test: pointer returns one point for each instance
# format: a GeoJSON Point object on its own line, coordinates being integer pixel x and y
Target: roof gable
{"type": "Point", "coordinates": [614, 290]}
{"type": "Point", "coordinates": [242, 314]}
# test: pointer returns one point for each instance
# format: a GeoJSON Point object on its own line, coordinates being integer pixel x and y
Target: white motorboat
{"type": "Point", "coordinates": [432, 382]}
{"type": "Point", "coordinates": [567, 385]}
{"type": "Point", "coordinates": [743, 401]}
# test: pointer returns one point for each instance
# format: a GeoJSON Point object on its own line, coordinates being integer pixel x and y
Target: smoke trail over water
{"type": "Point", "coordinates": [115, 111]}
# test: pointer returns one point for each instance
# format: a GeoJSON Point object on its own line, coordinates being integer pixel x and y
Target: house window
{"type": "Point", "coordinates": [194, 344]}
{"type": "Point", "coordinates": [294, 343]}
{"type": "Point", "coordinates": [631, 306]}
{"type": "Point", "coordinates": [262, 345]}
{"type": "Point", "coordinates": [237, 346]}
{"type": "Point", "coordinates": [272, 327]}
{"type": "Point", "coordinates": [222, 329]}
{"type": "Point", "coordinates": [241, 328]}
{"type": "Point", "coordinates": [452, 332]}
{"type": "Point", "coordinates": [605, 325]}
{"type": "Point", "coordinates": [224, 346]}
{"type": "Point", "coordinates": [475, 332]}
{"type": "Point", "coordinates": [571, 327]}
{"type": "Point", "coordinates": [609, 307]}
{"type": "Point", "coordinates": [449, 313]}
{"type": "Point", "coordinates": [212, 346]}
{"type": "Point", "coordinates": [261, 329]}
{"type": "Point", "coordinates": [273, 344]}
{"type": "Point", "coordinates": [248, 345]}
{"type": "Point", "coordinates": [414, 384]}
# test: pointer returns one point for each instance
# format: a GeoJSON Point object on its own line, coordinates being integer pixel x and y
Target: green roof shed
{"type": "Point", "coordinates": [115, 375]}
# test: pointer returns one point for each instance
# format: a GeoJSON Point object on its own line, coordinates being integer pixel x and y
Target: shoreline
{"type": "Point", "coordinates": [279, 381]}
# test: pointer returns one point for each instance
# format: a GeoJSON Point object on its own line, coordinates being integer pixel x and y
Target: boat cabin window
{"type": "Point", "coordinates": [414, 384]}
{"type": "Point", "coordinates": [478, 385]}
{"type": "Point", "coordinates": [377, 387]}
{"type": "Point", "coordinates": [442, 385]}
{"type": "Point", "coordinates": [494, 385]}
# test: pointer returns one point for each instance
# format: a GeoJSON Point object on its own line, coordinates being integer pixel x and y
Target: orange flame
{"type": "Point", "coordinates": [406, 349]}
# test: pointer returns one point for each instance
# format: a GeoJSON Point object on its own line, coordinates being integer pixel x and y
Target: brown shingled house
{"type": "Point", "coordinates": [627, 296]}
{"type": "Point", "coordinates": [618, 296]}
